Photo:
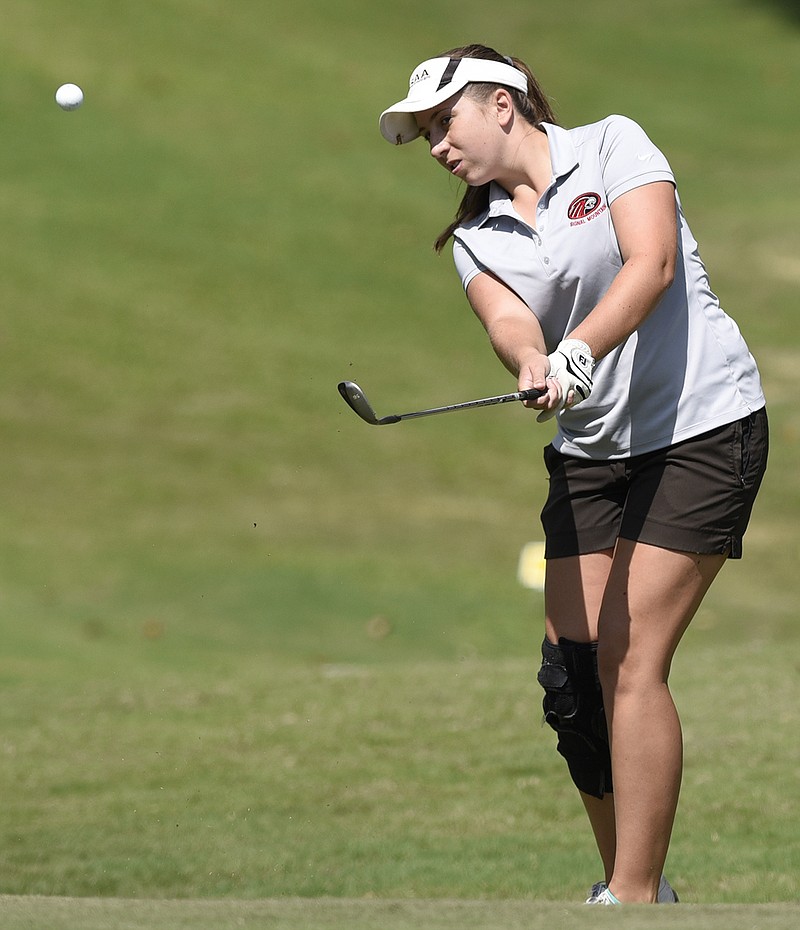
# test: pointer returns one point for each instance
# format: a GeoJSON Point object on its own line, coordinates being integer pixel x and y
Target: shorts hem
{"type": "Point", "coordinates": [567, 547]}
{"type": "Point", "coordinates": [564, 545]}
{"type": "Point", "coordinates": [687, 541]}
{"type": "Point", "coordinates": [711, 541]}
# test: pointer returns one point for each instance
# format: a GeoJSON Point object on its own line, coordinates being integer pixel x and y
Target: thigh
{"type": "Point", "coordinates": [574, 592]}
{"type": "Point", "coordinates": [650, 597]}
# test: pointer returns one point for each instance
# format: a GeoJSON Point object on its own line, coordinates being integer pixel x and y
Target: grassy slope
{"type": "Point", "coordinates": [196, 531]}
{"type": "Point", "coordinates": [197, 256]}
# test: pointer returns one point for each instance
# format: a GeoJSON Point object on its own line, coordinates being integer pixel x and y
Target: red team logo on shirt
{"type": "Point", "coordinates": [584, 206]}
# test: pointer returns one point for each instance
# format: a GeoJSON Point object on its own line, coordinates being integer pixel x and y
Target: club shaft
{"type": "Point", "coordinates": [355, 398]}
{"type": "Point", "coordinates": [469, 404]}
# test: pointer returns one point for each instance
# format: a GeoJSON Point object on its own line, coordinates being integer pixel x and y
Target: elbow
{"type": "Point", "coordinates": [655, 273]}
{"type": "Point", "coordinates": [668, 266]}
{"type": "Point", "coordinates": [667, 275]}
{"type": "Point", "coordinates": [662, 276]}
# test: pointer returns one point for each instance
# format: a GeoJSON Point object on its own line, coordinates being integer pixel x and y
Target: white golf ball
{"type": "Point", "coordinates": [69, 96]}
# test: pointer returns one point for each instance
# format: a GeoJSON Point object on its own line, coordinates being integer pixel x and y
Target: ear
{"type": "Point", "coordinates": [504, 107]}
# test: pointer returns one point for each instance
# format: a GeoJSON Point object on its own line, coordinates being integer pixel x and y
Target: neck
{"type": "Point", "coordinates": [528, 167]}
{"type": "Point", "coordinates": [528, 171]}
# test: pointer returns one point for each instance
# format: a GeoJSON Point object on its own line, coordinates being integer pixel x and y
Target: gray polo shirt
{"type": "Point", "coordinates": [686, 370]}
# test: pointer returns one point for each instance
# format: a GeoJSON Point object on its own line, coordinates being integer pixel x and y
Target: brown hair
{"type": "Point", "coordinates": [533, 107]}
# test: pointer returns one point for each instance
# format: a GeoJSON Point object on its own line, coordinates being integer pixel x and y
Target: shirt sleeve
{"type": "Point", "coordinates": [467, 265]}
{"type": "Point", "coordinates": [628, 159]}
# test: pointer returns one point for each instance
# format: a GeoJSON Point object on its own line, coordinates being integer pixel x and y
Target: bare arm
{"type": "Point", "coordinates": [645, 222]}
{"type": "Point", "coordinates": [515, 335]}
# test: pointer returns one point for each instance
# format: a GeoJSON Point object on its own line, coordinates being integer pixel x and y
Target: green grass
{"type": "Point", "coordinates": [253, 648]}
{"type": "Point", "coordinates": [330, 913]}
{"type": "Point", "coordinates": [398, 780]}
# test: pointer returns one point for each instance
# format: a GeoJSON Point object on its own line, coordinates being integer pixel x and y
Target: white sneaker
{"type": "Point", "coordinates": [597, 889]}
{"type": "Point", "coordinates": [666, 894]}
{"type": "Point", "coordinates": [604, 896]}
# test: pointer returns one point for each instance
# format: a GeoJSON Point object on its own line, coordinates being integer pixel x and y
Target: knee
{"type": "Point", "coordinates": [573, 707]}
{"type": "Point", "coordinates": [622, 669]}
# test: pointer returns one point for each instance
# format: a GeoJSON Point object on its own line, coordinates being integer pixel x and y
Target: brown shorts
{"type": "Point", "coordinates": [694, 496]}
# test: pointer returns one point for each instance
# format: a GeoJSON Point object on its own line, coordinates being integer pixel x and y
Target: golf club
{"type": "Point", "coordinates": [356, 399]}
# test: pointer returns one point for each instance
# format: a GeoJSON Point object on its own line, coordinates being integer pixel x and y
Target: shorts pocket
{"type": "Point", "coordinates": [752, 447]}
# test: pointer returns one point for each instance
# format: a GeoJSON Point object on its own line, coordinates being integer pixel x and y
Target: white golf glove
{"type": "Point", "coordinates": [571, 365]}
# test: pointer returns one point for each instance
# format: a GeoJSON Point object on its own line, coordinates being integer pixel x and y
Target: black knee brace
{"type": "Point", "coordinates": [573, 706]}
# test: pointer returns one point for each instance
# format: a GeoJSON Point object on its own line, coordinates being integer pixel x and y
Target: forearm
{"type": "Point", "coordinates": [645, 222]}
{"type": "Point", "coordinates": [514, 332]}
{"type": "Point", "coordinates": [632, 297]}
{"type": "Point", "coordinates": [515, 342]}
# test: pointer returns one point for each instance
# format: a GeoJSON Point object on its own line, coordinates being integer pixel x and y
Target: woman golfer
{"type": "Point", "coordinates": [575, 255]}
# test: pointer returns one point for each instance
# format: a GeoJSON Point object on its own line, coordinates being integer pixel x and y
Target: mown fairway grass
{"type": "Point", "coordinates": [402, 780]}
{"type": "Point", "coordinates": [253, 648]}
{"type": "Point", "coordinates": [335, 913]}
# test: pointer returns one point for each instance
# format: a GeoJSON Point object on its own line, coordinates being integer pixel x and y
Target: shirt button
{"type": "Point", "coordinates": [547, 261]}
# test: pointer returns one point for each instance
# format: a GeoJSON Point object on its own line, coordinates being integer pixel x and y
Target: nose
{"type": "Point", "coordinates": [438, 148]}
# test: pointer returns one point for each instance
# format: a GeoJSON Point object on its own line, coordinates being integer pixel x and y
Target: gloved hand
{"type": "Point", "coordinates": [571, 365]}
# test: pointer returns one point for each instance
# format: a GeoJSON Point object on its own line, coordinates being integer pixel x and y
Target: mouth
{"type": "Point", "coordinates": [453, 166]}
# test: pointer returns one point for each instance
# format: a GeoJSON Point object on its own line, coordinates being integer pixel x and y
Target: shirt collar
{"type": "Point", "coordinates": [563, 156]}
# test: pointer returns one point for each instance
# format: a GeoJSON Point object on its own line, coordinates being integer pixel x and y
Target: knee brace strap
{"type": "Point", "coordinates": [573, 707]}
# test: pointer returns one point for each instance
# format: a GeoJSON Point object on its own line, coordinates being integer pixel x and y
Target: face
{"type": "Point", "coordinates": [464, 138]}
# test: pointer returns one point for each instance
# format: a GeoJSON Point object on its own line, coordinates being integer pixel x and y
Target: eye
{"type": "Point", "coordinates": [438, 127]}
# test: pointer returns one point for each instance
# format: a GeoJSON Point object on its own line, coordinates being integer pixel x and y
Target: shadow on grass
{"type": "Point", "coordinates": [788, 8]}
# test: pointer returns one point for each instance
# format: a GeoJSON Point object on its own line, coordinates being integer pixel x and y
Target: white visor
{"type": "Point", "coordinates": [438, 79]}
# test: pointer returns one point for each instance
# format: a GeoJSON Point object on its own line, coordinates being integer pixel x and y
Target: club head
{"type": "Point", "coordinates": [355, 399]}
